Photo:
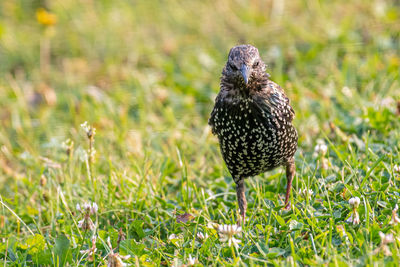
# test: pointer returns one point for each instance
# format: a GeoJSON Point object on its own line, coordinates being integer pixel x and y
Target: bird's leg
{"type": "Point", "coordinates": [290, 170]}
{"type": "Point", "coordinates": [241, 197]}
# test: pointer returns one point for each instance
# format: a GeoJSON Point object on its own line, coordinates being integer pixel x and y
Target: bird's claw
{"type": "Point", "coordinates": [287, 207]}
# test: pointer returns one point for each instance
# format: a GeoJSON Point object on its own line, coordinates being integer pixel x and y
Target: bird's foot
{"type": "Point", "coordinates": [290, 170]}
{"type": "Point", "coordinates": [287, 207]}
{"type": "Point", "coordinates": [241, 200]}
{"type": "Point", "coordinates": [241, 221]}
{"type": "Point", "coordinates": [241, 218]}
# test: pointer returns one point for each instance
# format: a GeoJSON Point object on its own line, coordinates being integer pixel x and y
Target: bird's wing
{"type": "Point", "coordinates": [224, 104]}
{"type": "Point", "coordinates": [273, 103]}
{"type": "Point", "coordinates": [211, 120]}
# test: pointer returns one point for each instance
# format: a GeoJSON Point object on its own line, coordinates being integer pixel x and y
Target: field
{"type": "Point", "coordinates": [144, 74]}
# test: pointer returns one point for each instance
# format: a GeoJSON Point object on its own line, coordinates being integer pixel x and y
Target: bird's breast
{"type": "Point", "coordinates": [252, 139]}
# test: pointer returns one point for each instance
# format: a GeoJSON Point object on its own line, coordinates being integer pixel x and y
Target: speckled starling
{"type": "Point", "coordinates": [252, 118]}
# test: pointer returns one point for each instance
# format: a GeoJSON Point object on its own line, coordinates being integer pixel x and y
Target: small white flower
{"type": "Point", "coordinates": [324, 163]}
{"type": "Point", "coordinates": [387, 102]}
{"type": "Point", "coordinates": [306, 193]}
{"type": "Point", "coordinates": [91, 251]}
{"type": "Point", "coordinates": [88, 251]}
{"type": "Point", "coordinates": [90, 131]}
{"type": "Point", "coordinates": [347, 92]}
{"type": "Point", "coordinates": [385, 240]}
{"type": "Point", "coordinates": [354, 202]}
{"type": "Point", "coordinates": [86, 224]}
{"type": "Point", "coordinates": [85, 126]}
{"type": "Point", "coordinates": [227, 234]}
{"type": "Point", "coordinates": [395, 219]}
{"type": "Point", "coordinates": [228, 229]}
{"type": "Point", "coordinates": [212, 225]}
{"type": "Point", "coordinates": [177, 240]}
{"type": "Point", "coordinates": [86, 206]}
{"type": "Point", "coordinates": [201, 237]}
{"type": "Point", "coordinates": [86, 210]}
{"type": "Point", "coordinates": [320, 149]}
{"type": "Point", "coordinates": [94, 208]}
{"type": "Point", "coordinates": [396, 168]}
{"type": "Point", "coordinates": [172, 236]}
{"type": "Point", "coordinates": [68, 145]}
{"type": "Point", "coordinates": [354, 218]}
{"type": "Point", "coordinates": [191, 261]}
{"type": "Point", "coordinates": [91, 208]}
{"type": "Point", "coordinates": [114, 259]}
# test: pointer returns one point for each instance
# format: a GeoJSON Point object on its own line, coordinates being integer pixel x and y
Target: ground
{"type": "Point", "coordinates": [145, 75]}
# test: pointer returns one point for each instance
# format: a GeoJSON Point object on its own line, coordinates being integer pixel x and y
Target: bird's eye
{"type": "Point", "coordinates": [256, 64]}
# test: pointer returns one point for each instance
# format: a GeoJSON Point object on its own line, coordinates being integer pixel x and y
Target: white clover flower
{"type": "Point", "coordinates": [177, 240]}
{"type": "Point", "coordinates": [395, 219]}
{"type": "Point", "coordinates": [386, 251]}
{"type": "Point", "coordinates": [386, 102]}
{"type": "Point", "coordinates": [86, 210]}
{"type": "Point", "coordinates": [396, 168]}
{"type": "Point", "coordinates": [90, 131]}
{"type": "Point", "coordinates": [212, 225]}
{"type": "Point", "coordinates": [306, 193]}
{"type": "Point", "coordinates": [68, 145]}
{"type": "Point", "coordinates": [347, 92]}
{"type": "Point", "coordinates": [114, 259]}
{"type": "Point", "coordinates": [86, 224]}
{"type": "Point", "coordinates": [227, 234]}
{"type": "Point", "coordinates": [94, 208]}
{"type": "Point", "coordinates": [324, 163]}
{"type": "Point", "coordinates": [320, 149]}
{"type": "Point", "coordinates": [172, 236]}
{"type": "Point", "coordinates": [191, 261]}
{"type": "Point", "coordinates": [90, 251]}
{"type": "Point", "coordinates": [85, 126]}
{"type": "Point", "coordinates": [385, 240]}
{"type": "Point", "coordinates": [91, 208]}
{"type": "Point", "coordinates": [87, 206]}
{"type": "Point", "coordinates": [354, 202]}
{"type": "Point", "coordinates": [354, 218]}
{"type": "Point", "coordinates": [176, 263]}
{"type": "Point", "coordinates": [201, 237]}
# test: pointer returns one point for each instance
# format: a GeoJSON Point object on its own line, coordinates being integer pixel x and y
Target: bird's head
{"type": "Point", "coordinates": [244, 66]}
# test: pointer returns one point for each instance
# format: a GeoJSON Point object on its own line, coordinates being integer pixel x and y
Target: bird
{"type": "Point", "coordinates": [252, 118]}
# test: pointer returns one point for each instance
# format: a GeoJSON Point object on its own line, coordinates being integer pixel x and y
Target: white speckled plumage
{"type": "Point", "coordinates": [252, 118]}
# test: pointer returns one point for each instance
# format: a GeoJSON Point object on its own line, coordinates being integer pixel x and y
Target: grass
{"type": "Point", "coordinates": [145, 76]}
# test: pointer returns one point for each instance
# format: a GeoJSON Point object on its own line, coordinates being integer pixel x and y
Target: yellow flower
{"type": "Point", "coordinates": [45, 18]}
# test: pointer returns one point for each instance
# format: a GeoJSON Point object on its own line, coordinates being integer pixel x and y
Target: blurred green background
{"type": "Point", "coordinates": [146, 71]}
{"type": "Point", "coordinates": [145, 75]}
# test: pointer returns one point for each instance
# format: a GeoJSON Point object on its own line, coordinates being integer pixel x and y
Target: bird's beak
{"type": "Point", "coordinates": [245, 73]}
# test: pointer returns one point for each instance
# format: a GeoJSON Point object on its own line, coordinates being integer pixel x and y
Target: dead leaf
{"type": "Point", "coordinates": [184, 218]}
